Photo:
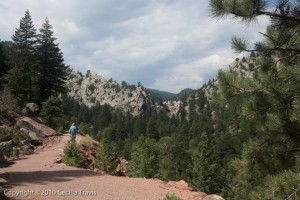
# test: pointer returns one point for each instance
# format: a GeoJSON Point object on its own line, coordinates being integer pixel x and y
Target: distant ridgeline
{"type": "Point", "coordinates": [91, 88]}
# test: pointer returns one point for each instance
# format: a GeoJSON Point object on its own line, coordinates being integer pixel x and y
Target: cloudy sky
{"type": "Point", "coordinates": [165, 44]}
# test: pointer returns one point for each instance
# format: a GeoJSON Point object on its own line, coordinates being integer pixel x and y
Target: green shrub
{"type": "Point", "coordinates": [73, 157]}
{"type": "Point", "coordinates": [60, 131]}
{"type": "Point", "coordinates": [5, 135]}
{"type": "Point", "coordinates": [13, 139]}
{"type": "Point", "coordinates": [171, 197]}
{"type": "Point", "coordinates": [7, 102]}
{"type": "Point", "coordinates": [7, 150]}
{"type": "Point", "coordinates": [106, 158]}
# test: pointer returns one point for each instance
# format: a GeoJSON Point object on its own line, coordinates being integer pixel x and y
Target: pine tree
{"type": "Point", "coordinates": [143, 161]}
{"type": "Point", "coordinates": [52, 111]}
{"type": "Point", "coordinates": [52, 70]}
{"type": "Point", "coordinates": [202, 168]}
{"type": "Point", "coordinates": [151, 129]}
{"type": "Point", "coordinates": [3, 65]}
{"type": "Point", "coordinates": [269, 157]}
{"type": "Point", "coordinates": [20, 79]}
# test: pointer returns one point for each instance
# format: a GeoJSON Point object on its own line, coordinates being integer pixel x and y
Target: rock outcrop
{"type": "Point", "coordinates": [173, 106]}
{"type": "Point", "coordinates": [121, 167]}
{"type": "Point", "coordinates": [35, 130]}
{"type": "Point", "coordinates": [93, 88]}
{"type": "Point", "coordinates": [244, 67]}
{"type": "Point", "coordinates": [31, 109]}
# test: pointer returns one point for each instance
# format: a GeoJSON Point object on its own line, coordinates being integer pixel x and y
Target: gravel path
{"type": "Point", "coordinates": [37, 176]}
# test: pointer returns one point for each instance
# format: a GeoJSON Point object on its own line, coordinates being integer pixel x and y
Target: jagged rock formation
{"type": "Point", "coordinates": [173, 106]}
{"type": "Point", "coordinates": [244, 67]}
{"type": "Point", "coordinates": [92, 88]}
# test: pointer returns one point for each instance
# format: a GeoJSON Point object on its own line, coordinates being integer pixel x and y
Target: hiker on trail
{"type": "Point", "coordinates": [73, 131]}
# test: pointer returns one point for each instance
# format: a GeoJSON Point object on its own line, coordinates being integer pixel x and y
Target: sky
{"type": "Point", "coordinates": [167, 45]}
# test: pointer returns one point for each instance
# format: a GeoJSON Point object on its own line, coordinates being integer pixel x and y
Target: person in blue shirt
{"type": "Point", "coordinates": [73, 130]}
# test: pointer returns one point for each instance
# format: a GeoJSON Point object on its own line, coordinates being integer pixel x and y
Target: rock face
{"type": "Point", "coordinates": [93, 88]}
{"type": "Point", "coordinates": [244, 67]}
{"type": "Point", "coordinates": [88, 152]}
{"type": "Point", "coordinates": [31, 109]}
{"type": "Point", "coordinates": [121, 167]}
{"type": "Point", "coordinates": [173, 106]}
{"type": "Point", "coordinates": [35, 130]}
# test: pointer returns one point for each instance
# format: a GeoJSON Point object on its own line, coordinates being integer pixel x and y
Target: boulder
{"type": "Point", "coordinates": [213, 197]}
{"type": "Point", "coordinates": [32, 109]}
{"type": "Point", "coordinates": [58, 160]}
{"type": "Point", "coordinates": [182, 183]}
{"type": "Point", "coordinates": [35, 130]}
{"type": "Point", "coordinates": [179, 184]}
{"type": "Point", "coordinates": [98, 171]}
{"type": "Point", "coordinates": [198, 196]}
{"type": "Point", "coordinates": [27, 149]}
{"type": "Point", "coordinates": [121, 167]}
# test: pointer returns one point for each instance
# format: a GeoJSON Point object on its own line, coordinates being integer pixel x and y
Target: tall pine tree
{"type": "Point", "coordinates": [52, 70]}
{"type": "Point", "coordinates": [3, 65]}
{"type": "Point", "coordinates": [20, 79]}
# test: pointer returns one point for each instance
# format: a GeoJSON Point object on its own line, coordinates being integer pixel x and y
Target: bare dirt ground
{"type": "Point", "coordinates": [37, 176]}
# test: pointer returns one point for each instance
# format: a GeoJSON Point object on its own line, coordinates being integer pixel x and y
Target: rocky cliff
{"type": "Point", "coordinates": [244, 67]}
{"type": "Point", "coordinates": [92, 88]}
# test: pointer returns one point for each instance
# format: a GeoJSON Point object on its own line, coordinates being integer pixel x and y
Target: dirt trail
{"type": "Point", "coordinates": [37, 176]}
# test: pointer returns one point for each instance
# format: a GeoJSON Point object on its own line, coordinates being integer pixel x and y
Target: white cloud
{"type": "Point", "coordinates": [169, 45]}
{"type": "Point", "coordinates": [190, 75]}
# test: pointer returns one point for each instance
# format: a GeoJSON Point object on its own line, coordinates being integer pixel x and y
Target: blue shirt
{"type": "Point", "coordinates": [73, 129]}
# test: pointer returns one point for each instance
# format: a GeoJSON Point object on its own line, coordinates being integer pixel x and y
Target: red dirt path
{"type": "Point", "coordinates": [37, 176]}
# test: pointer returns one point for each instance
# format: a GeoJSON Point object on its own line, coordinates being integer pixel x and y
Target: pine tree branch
{"type": "Point", "coordinates": [276, 48]}
{"type": "Point", "coordinates": [276, 15]}
{"type": "Point", "coordinates": [267, 36]}
{"type": "Point", "coordinates": [270, 14]}
{"type": "Point", "coordinates": [250, 92]}
{"type": "Point", "coordinates": [294, 193]}
{"type": "Point", "coordinates": [295, 35]}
